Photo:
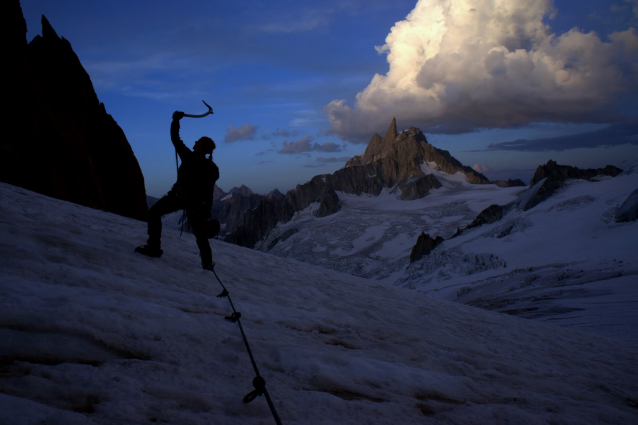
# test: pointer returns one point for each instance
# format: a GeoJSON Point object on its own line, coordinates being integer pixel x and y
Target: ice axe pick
{"type": "Point", "coordinates": [210, 111]}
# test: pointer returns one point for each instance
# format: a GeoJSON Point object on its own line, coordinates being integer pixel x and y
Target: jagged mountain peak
{"type": "Point", "coordinates": [47, 29]}
{"type": "Point", "coordinates": [402, 154]}
{"type": "Point", "coordinates": [243, 190]}
{"type": "Point", "coordinates": [275, 193]}
{"type": "Point", "coordinates": [392, 133]}
{"type": "Point", "coordinates": [218, 193]}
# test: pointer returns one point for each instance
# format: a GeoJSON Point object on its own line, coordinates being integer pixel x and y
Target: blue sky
{"type": "Point", "coordinates": [300, 87]}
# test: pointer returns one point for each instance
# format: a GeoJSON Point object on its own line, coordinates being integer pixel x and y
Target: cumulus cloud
{"type": "Point", "coordinates": [305, 145]}
{"type": "Point", "coordinates": [300, 146]}
{"type": "Point", "coordinates": [459, 65]}
{"type": "Point", "coordinates": [481, 168]}
{"type": "Point", "coordinates": [245, 132]}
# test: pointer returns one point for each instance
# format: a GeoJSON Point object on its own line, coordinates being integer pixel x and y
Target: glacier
{"type": "Point", "coordinates": [93, 333]}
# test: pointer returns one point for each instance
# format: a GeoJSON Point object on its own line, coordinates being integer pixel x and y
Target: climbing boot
{"type": "Point", "coordinates": [149, 250]}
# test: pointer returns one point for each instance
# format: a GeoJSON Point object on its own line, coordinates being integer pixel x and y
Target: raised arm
{"type": "Point", "coordinates": [181, 148]}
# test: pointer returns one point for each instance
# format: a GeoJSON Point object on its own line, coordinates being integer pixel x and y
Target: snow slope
{"type": "Point", "coordinates": [93, 333]}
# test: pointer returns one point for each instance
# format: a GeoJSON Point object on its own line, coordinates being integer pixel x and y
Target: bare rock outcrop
{"type": "Point", "coordinates": [541, 191]}
{"type": "Point", "coordinates": [509, 183]}
{"type": "Point", "coordinates": [329, 203]}
{"type": "Point", "coordinates": [628, 211]}
{"type": "Point", "coordinates": [424, 245]}
{"type": "Point", "coordinates": [419, 187]}
{"type": "Point", "coordinates": [565, 172]}
{"type": "Point", "coordinates": [489, 215]}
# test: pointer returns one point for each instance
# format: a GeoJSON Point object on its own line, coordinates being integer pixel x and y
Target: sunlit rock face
{"type": "Point", "coordinates": [58, 139]}
{"type": "Point", "coordinates": [399, 157]}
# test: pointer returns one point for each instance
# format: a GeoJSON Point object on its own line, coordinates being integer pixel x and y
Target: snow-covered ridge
{"type": "Point", "coordinates": [96, 334]}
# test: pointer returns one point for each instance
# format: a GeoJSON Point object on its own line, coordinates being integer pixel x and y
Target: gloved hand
{"type": "Point", "coordinates": [178, 115]}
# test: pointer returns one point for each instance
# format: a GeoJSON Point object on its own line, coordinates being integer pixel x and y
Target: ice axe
{"type": "Point", "coordinates": [210, 111]}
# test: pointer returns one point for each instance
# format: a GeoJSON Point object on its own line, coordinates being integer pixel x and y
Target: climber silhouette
{"type": "Point", "coordinates": [193, 192]}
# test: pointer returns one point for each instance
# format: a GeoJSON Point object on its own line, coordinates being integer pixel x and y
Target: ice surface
{"type": "Point", "coordinates": [94, 333]}
{"type": "Point", "coordinates": [565, 260]}
{"type": "Point", "coordinates": [573, 230]}
{"type": "Point", "coordinates": [372, 236]}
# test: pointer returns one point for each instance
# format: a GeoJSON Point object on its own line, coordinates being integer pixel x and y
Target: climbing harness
{"type": "Point", "coordinates": [258, 382]}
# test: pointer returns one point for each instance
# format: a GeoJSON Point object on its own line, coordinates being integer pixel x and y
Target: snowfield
{"type": "Point", "coordinates": [372, 236]}
{"type": "Point", "coordinates": [566, 260]}
{"type": "Point", "coordinates": [93, 333]}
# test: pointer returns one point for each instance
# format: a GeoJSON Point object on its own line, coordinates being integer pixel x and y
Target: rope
{"type": "Point", "coordinates": [258, 382]}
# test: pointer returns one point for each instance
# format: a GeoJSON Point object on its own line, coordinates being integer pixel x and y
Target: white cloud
{"type": "Point", "coordinates": [305, 145]}
{"type": "Point", "coordinates": [481, 168]}
{"type": "Point", "coordinates": [455, 66]}
{"type": "Point", "coordinates": [245, 132]}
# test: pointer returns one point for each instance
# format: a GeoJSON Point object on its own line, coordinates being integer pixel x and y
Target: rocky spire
{"type": "Point", "coordinates": [47, 29]}
{"type": "Point", "coordinates": [380, 147]}
{"type": "Point", "coordinates": [392, 133]}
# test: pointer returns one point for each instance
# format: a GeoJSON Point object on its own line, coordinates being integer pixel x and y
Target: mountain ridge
{"type": "Point", "coordinates": [402, 162]}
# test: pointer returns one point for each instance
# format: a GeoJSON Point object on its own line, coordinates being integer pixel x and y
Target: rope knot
{"type": "Point", "coordinates": [260, 385]}
{"type": "Point", "coordinates": [233, 317]}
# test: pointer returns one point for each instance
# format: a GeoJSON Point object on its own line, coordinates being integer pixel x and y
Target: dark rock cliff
{"type": "Point", "coordinates": [424, 245]}
{"type": "Point", "coordinates": [628, 211]}
{"type": "Point", "coordinates": [565, 172]}
{"type": "Point", "coordinates": [509, 183]}
{"type": "Point", "coordinates": [58, 139]}
{"type": "Point", "coordinates": [231, 209]}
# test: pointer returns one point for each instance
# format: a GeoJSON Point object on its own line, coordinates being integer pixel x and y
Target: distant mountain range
{"type": "Point", "coordinates": [403, 163]}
